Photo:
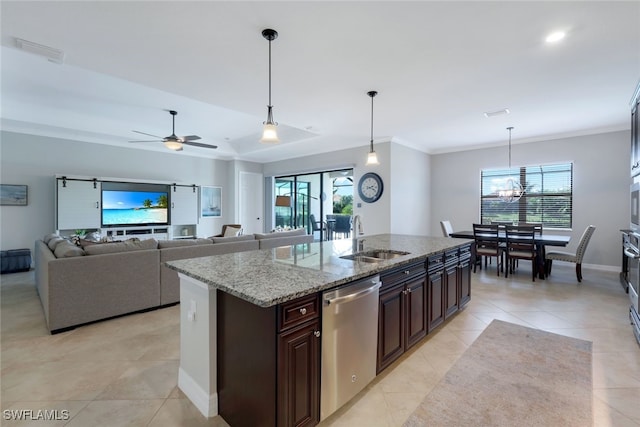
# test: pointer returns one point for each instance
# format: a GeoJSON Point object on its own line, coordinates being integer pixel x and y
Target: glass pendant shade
{"type": "Point", "coordinates": [269, 134]}
{"type": "Point", "coordinates": [173, 145]}
{"type": "Point", "coordinates": [372, 158]}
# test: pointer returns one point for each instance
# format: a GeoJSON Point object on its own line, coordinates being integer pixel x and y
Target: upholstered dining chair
{"type": "Point", "coordinates": [521, 244]}
{"type": "Point", "coordinates": [319, 226]}
{"type": "Point", "coordinates": [446, 228]}
{"type": "Point", "coordinates": [570, 257]}
{"type": "Point", "coordinates": [487, 245]}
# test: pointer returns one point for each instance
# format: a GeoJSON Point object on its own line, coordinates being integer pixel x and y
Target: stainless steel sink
{"type": "Point", "coordinates": [375, 255]}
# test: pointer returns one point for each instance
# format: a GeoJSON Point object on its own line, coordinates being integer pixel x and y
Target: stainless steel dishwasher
{"type": "Point", "coordinates": [349, 342]}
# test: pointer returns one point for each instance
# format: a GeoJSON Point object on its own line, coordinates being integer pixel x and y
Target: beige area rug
{"type": "Point", "coordinates": [513, 376]}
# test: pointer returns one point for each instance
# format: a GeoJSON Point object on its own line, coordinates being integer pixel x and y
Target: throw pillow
{"type": "Point", "coordinates": [48, 237]}
{"type": "Point", "coordinates": [54, 242]}
{"type": "Point", "coordinates": [67, 249]}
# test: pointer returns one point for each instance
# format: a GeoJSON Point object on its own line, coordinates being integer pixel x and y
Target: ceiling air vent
{"type": "Point", "coordinates": [52, 54]}
{"type": "Point", "coordinates": [489, 114]}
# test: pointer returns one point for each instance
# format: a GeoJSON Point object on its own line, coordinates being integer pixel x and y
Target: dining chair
{"type": "Point", "coordinates": [520, 244]}
{"type": "Point", "coordinates": [571, 257]}
{"type": "Point", "coordinates": [342, 225]}
{"type": "Point", "coordinates": [320, 226]}
{"type": "Point", "coordinates": [446, 228]}
{"type": "Point", "coordinates": [487, 245]}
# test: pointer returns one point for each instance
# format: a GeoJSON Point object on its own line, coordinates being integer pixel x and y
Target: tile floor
{"type": "Point", "coordinates": [123, 372]}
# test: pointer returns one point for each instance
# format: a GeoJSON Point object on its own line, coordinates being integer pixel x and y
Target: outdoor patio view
{"type": "Point", "coordinates": [320, 202]}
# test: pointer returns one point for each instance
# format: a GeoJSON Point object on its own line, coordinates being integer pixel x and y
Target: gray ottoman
{"type": "Point", "coordinates": [15, 260]}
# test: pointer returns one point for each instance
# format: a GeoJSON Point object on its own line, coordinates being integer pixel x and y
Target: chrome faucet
{"type": "Point", "coordinates": [357, 230]}
{"type": "Point", "coordinates": [357, 225]}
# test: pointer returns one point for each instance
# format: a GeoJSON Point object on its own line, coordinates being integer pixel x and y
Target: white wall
{"type": "Point", "coordinates": [600, 186]}
{"type": "Point", "coordinates": [410, 191]}
{"type": "Point", "coordinates": [34, 160]}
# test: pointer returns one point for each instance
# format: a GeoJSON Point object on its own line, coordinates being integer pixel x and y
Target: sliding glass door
{"type": "Point", "coordinates": [316, 201]}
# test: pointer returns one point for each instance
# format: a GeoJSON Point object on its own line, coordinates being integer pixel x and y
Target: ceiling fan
{"type": "Point", "coordinates": [174, 142]}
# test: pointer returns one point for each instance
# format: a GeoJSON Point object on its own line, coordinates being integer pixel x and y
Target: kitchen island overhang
{"type": "Point", "coordinates": [268, 279]}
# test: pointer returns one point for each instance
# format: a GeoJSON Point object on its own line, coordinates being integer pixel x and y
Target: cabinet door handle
{"type": "Point", "coordinates": [407, 272]}
{"type": "Point", "coordinates": [97, 205]}
{"type": "Point", "coordinates": [317, 334]}
{"type": "Point", "coordinates": [303, 311]}
{"type": "Point", "coordinates": [409, 290]}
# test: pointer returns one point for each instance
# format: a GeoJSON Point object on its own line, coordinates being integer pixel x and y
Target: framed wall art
{"type": "Point", "coordinates": [13, 195]}
{"type": "Point", "coordinates": [210, 201]}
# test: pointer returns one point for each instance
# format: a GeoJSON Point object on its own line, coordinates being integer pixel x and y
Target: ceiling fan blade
{"type": "Point", "coordinates": [199, 144]}
{"type": "Point", "coordinates": [148, 134]}
{"type": "Point", "coordinates": [190, 138]}
{"type": "Point", "coordinates": [150, 140]}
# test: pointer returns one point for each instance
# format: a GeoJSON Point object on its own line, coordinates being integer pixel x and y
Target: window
{"type": "Point", "coordinates": [547, 199]}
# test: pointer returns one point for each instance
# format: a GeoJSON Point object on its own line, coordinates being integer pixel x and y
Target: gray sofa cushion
{"type": "Point", "coordinates": [233, 239]}
{"type": "Point", "coordinates": [280, 234]}
{"type": "Point", "coordinates": [67, 249]}
{"type": "Point", "coordinates": [126, 246]}
{"type": "Point", "coordinates": [182, 242]}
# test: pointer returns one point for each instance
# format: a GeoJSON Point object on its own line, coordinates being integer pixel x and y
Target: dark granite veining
{"type": "Point", "coordinates": [271, 276]}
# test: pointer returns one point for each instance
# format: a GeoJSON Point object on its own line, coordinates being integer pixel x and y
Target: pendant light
{"type": "Point", "coordinates": [269, 133]}
{"type": "Point", "coordinates": [372, 158]}
{"type": "Point", "coordinates": [512, 191]}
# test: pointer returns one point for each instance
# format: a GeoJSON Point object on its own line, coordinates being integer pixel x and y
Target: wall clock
{"type": "Point", "coordinates": [370, 187]}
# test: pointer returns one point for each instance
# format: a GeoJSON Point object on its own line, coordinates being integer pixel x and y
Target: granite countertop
{"type": "Point", "coordinates": [271, 276]}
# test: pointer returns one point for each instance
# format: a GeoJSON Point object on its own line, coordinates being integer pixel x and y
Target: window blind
{"type": "Point", "coordinates": [547, 198]}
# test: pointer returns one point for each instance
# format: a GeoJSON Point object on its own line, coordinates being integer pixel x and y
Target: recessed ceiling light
{"type": "Point", "coordinates": [496, 113]}
{"type": "Point", "coordinates": [555, 37]}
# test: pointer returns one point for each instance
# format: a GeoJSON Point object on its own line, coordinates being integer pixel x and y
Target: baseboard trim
{"type": "Point", "coordinates": [206, 403]}
{"type": "Point", "coordinates": [601, 267]}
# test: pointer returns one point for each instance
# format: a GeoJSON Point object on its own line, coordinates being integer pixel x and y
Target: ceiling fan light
{"type": "Point", "coordinates": [372, 158]}
{"type": "Point", "coordinates": [269, 134]}
{"type": "Point", "coordinates": [173, 145]}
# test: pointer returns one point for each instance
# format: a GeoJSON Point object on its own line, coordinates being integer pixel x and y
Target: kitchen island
{"type": "Point", "coordinates": [250, 321]}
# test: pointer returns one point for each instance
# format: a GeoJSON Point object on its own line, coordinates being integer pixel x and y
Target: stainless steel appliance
{"type": "Point", "coordinates": [349, 342]}
{"type": "Point", "coordinates": [632, 252]}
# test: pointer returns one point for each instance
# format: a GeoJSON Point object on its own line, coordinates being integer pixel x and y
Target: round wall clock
{"type": "Point", "coordinates": [370, 187]}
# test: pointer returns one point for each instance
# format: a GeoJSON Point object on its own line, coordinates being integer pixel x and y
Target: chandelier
{"type": "Point", "coordinates": [512, 190]}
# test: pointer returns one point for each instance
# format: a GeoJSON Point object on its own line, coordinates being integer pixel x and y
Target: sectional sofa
{"type": "Point", "coordinates": [79, 285]}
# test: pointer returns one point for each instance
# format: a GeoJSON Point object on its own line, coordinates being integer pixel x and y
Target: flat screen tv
{"type": "Point", "coordinates": [131, 204]}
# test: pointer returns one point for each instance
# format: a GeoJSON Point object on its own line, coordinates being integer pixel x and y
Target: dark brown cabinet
{"type": "Point", "coordinates": [298, 376]}
{"type": "Point", "coordinates": [269, 362]}
{"type": "Point", "coordinates": [402, 314]}
{"type": "Point", "coordinates": [464, 276]}
{"type": "Point", "coordinates": [635, 133]}
{"type": "Point", "coordinates": [451, 283]}
{"type": "Point", "coordinates": [436, 292]}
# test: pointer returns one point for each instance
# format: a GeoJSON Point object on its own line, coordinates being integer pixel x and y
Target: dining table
{"type": "Point", "coordinates": [541, 241]}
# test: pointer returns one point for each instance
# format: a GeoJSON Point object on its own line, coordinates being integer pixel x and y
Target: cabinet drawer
{"type": "Point", "coordinates": [435, 262]}
{"type": "Point", "coordinates": [298, 311]}
{"type": "Point", "coordinates": [398, 275]}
